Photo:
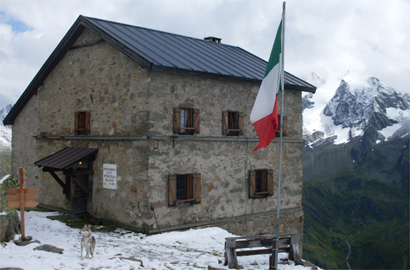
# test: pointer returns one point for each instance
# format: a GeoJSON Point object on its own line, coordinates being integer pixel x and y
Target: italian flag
{"type": "Point", "coordinates": [264, 115]}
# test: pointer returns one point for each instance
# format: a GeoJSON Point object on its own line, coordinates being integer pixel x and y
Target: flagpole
{"type": "Point", "coordinates": [281, 137]}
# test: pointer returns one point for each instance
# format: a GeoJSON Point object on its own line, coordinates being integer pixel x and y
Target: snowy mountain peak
{"type": "Point", "coordinates": [357, 105]}
{"type": "Point", "coordinates": [4, 111]}
{"type": "Point", "coordinates": [5, 131]}
{"type": "Point", "coordinates": [316, 79]}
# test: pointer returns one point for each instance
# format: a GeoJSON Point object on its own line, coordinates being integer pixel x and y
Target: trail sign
{"type": "Point", "coordinates": [22, 197]}
{"type": "Point", "coordinates": [29, 198]}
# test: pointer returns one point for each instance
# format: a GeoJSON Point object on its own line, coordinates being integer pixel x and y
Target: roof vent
{"type": "Point", "coordinates": [213, 39]}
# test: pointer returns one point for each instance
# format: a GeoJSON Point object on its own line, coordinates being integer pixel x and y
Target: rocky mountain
{"type": "Point", "coordinates": [5, 131]}
{"type": "Point", "coordinates": [5, 143]}
{"type": "Point", "coordinates": [358, 106]}
{"type": "Point", "coordinates": [356, 175]}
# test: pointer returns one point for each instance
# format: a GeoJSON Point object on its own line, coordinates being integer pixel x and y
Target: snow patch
{"type": "Point", "coordinates": [397, 114]}
{"type": "Point", "coordinates": [387, 132]}
{"type": "Point", "coordinates": [4, 178]}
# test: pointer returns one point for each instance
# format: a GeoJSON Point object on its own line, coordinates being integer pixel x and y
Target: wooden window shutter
{"type": "Point", "coordinates": [189, 186]}
{"type": "Point", "coordinates": [87, 122]}
{"type": "Point", "coordinates": [76, 115]}
{"type": "Point", "coordinates": [225, 120]}
{"type": "Point", "coordinates": [270, 182]}
{"type": "Point", "coordinates": [197, 188]}
{"type": "Point", "coordinates": [241, 123]}
{"type": "Point", "coordinates": [196, 121]}
{"type": "Point", "coordinates": [251, 184]}
{"type": "Point", "coordinates": [172, 189]}
{"type": "Point", "coordinates": [285, 126]}
{"type": "Point", "coordinates": [177, 119]}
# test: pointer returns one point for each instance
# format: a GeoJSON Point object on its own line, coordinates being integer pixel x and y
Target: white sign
{"type": "Point", "coordinates": [110, 176]}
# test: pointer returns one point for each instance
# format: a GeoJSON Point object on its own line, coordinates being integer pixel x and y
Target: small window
{"type": "Point", "coordinates": [260, 183]}
{"type": "Point", "coordinates": [232, 123]}
{"type": "Point", "coordinates": [82, 122]}
{"type": "Point", "coordinates": [184, 189]}
{"type": "Point", "coordinates": [285, 127]}
{"type": "Point", "coordinates": [186, 121]}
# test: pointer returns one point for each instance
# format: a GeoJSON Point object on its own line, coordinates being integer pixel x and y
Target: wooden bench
{"type": "Point", "coordinates": [263, 244]}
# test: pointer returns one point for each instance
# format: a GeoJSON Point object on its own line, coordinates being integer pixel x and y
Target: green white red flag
{"type": "Point", "coordinates": [264, 115]}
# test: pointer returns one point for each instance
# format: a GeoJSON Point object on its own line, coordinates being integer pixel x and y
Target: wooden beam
{"type": "Point", "coordinates": [79, 173]}
{"type": "Point", "coordinates": [55, 176]}
{"type": "Point", "coordinates": [82, 186]}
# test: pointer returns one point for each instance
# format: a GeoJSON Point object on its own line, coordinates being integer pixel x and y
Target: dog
{"type": "Point", "coordinates": [88, 242]}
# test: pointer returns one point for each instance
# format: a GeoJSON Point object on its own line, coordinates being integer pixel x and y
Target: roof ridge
{"type": "Point", "coordinates": [160, 31]}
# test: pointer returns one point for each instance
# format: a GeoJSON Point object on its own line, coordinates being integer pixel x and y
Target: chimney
{"type": "Point", "coordinates": [213, 39]}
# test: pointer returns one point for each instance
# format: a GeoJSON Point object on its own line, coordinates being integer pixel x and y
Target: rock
{"type": "Point", "coordinates": [215, 268]}
{"type": "Point", "coordinates": [50, 248]}
{"type": "Point", "coordinates": [133, 259]}
{"type": "Point", "coordinates": [9, 226]}
{"type": "Point", "coordinates": [309, 264]}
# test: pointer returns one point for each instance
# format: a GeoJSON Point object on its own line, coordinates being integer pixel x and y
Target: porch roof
{"type": "Point", "coordinates": [65, 158]}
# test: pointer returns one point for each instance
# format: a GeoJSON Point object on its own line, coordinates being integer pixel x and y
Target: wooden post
{"type": "Point", "coordinates": [22, 197]}
{"type": "Point", "coordinates": [22, 187]}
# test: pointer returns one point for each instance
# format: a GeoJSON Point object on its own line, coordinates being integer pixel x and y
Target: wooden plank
{"type": "Point", "coordinates": [260, 243]}
{"type": "Point", "coordinates": [259, 251]}
{"type": "Point", "coordinates": [27, 197]}
{"type": "Point", "coordinates": [26, 204]}
{"type": "Point", "coordinates": [12, 191]}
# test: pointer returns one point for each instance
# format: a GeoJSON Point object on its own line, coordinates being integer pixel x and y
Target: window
{"type": "Point", "coordinates": [184, 189]}
{"type": "Point", "coordinates": [285, 127]}
{"type": "Point", "coordinates": [82, 122]}
{"type": "Point", "coordinates": [232, 123]}
{"type": "Point", "coordinates": [186, 121]}
{"type": "Point", "coordinates": [260, 183]}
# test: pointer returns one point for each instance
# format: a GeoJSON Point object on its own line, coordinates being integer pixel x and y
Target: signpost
{"type": "Point", "coordinates": [22, 197]}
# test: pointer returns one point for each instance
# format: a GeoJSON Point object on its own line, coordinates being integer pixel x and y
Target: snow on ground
{"type": "Point", "coordinates": [192, 249]}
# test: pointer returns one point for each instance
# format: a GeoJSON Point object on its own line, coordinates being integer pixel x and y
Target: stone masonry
{"type": "Point", "coordinates": [132, 126]}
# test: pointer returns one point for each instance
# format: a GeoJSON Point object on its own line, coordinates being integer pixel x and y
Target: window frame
{"type": "Point", "coordinates": [193, 189]}
{"type": "Point", "coordinates": [232, 123]}
{"type": "Point", "coordinates": [265, 177]}
{"type": "Point", "coordinates": [192, 123]}
{"type": "Point", "coordinates": [82, 121]}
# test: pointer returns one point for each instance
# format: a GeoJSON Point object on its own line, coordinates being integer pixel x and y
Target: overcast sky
{"type": "Point", "coordinates": [328, 37]}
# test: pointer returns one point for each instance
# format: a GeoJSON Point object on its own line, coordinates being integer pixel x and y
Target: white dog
{"type": "Point", "coordinates": [88, 242]}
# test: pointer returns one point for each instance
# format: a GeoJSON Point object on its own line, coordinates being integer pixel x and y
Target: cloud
{"type": "Point", "coordinates": [16, 26]}
{"type": "Point", "coordinates": [369, 38]}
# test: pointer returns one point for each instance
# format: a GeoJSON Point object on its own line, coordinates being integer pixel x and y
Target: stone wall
{"type": "Point", "coordinates": [25, 148]}
{"type": "Point", "coordinates": [132, 126]}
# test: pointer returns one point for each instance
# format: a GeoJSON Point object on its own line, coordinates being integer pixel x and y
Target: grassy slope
{"type": "Point", "coordinates": [371, 214]}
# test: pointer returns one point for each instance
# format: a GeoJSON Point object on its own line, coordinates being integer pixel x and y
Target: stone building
{"type": "Point", "coordinates": [151, 130]}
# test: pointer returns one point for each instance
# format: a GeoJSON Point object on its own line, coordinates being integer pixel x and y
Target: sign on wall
{"type": "Point", "coordinates": [110, 176]}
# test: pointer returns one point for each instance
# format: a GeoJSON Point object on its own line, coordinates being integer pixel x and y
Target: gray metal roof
{"type": "Point", "coordinates": [162, 49]}
{"type": "Point", "coordinates": [65, 158]}
{"type": "Point", "coordinates": [157, 50]}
